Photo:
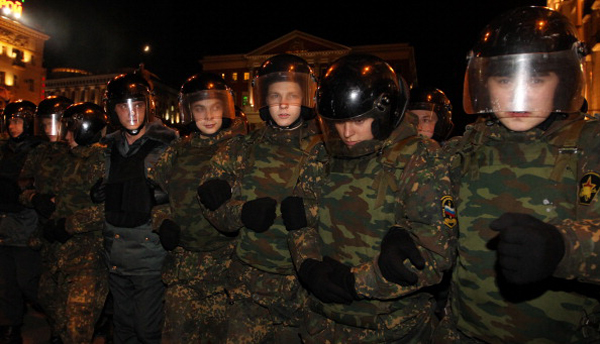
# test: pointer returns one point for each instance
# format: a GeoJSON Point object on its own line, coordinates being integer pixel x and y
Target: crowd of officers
{"type": "Point", "coordinates": [349, 216]}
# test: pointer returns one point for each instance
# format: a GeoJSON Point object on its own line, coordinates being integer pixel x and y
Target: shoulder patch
{"type": "Point", "coordinates": [588, 188]}
{"type": "Point", "coordinates": [449, 211]}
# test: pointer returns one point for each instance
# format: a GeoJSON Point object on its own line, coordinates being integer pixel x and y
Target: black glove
{"type": "Point", "coordinates": [292, 212]}
{"type": "Point", "coordinates": [60, 233]}
{"type": "Point", "coordinates": [169, 234]}
{"type": "Point", "coordinates": [9, 196]}
{"type": "Point", "coordinates": [528, 249]}
{"type": "Point", "coordinates": [259, 214]}
{"type": "Point", "coordinates": [98, 191]}
{"type": "Point", "coordinates": [42, 203]}
{"type": "Point", "coordinates": [396, 246]}
{"type": "Point", "coordinates": [329, 280]}
{"type": "Point", "coordinates": [213, 193]}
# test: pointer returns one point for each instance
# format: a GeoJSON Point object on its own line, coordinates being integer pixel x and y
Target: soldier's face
{"type": "Point", "coordinates": [536, 92]}
{"type": "Point", "coordinates": [208, 114]}
{"type": "Point", "coordinates": [70, 138]}
{"type": "Point", "coordinates": [427, 121]}
{"type": "Point", "coordinates": [131, 113]}
{"type": "Point", "coordinates": [355, 131]}
{"type": "Point", "coordinates": [284, 100]}
{"type": "Point", "coordinates": [51, 128]}
{"type": "Point", "coordinates": [15, 127]}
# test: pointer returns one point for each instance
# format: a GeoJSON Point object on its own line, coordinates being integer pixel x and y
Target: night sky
{"type": "Point", "coordinates": [102, 36]}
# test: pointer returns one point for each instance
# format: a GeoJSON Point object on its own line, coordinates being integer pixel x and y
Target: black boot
{"type": "Point", "coordinates": [10, 335]}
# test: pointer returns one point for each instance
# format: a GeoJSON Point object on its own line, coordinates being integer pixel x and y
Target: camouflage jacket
{"type": "Point", "coordinates": [41, 169]}
{"type": "Point", "coordinates": [177, 172]}
{"type": "Point", "coordinates": [554, 176]}
{"type": "Point", "coordinates": [264, 163]}
{"type": "Point", "coordinates": [81, 170]}
{"type": "Point", "coordinates": [352, 203]}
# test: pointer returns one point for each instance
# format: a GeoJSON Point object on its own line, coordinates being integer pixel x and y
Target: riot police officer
{"type": "Point", "coordinates": [375, 192]}
{"type": "Point", "coordinates": [19, 264]}
{"type": "Point", "coordinates": [133, 251]}
{"type": "Point", "coordinates": [526, 202]}
{"type": "Point", "coordinates": [240, 193]}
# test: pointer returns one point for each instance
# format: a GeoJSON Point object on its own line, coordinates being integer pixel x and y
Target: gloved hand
{"type": "Point", "coordinates": [396, 246]}
{"type": "Point", "coordinates": [213, 193]}
{"type": "Point", "coordinates": [292, 212]}
{"type": "Point", "coordinates": [43, 204]}
{"type": "Point", "coordinates": [60, 233]}
{"type": "Point", "coordinates": [169, 233]}
{"type": "Point", "coordinates": [528, 249]}
{"type": "Point", "coordinates": [259, 214]}
{"type": "Point", "coordinates": [329, 280]}
{"type": "Point", "coordinates": [98, 191]}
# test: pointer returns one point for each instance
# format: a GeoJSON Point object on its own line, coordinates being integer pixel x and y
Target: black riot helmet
{"type": "Point", "coordinates": [284, 68]}
{"type": "Point", "coordinates": [48, 117]}
{"type": "Point", "coordinates": [514, 51]}
{"type": "Point", "coordinates": [133, 96]}
{"type": "Point", "coordinates": [357, 87]}
{"type": "Point", "coordinates": [205, 98]}
{"type": "Point", "coordinates": [434, 100]}
{"type": "Point", "coordinates": [23, 109]}
{"type": "Point", "coordinates": [86, 122]}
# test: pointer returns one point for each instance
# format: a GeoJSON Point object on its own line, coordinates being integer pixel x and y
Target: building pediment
{"type": "Point", "coordinates": [297, 43]}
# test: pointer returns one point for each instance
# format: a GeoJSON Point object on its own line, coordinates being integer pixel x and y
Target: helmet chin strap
{"type": "Point", "coordinates": [136, 131]}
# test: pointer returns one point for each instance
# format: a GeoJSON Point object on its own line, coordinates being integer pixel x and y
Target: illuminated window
{"type": "Point", "coordinates": [246, 76]}
{"type": "Point", "coordinates": [223, 76]}
{"type": "Point", "coordinates": [234, 76]}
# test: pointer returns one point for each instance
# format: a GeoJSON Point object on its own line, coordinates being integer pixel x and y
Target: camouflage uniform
{"type": "Point", "coordinates": [353, 203]}
{"type": "Point", "coordinates": [553, 176]}
{"type": "Point", "coordinates": [43, 168]}
{"type": "Point", "coordinates": [265, 163]}
{"type": "Point", "coordinates": [79, 272]}
{"type": "Point", "coordinates": [195, 299]}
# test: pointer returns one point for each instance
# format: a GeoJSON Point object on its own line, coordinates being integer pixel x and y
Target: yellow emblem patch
{"type": "Point", "coordinates": [588, 188]}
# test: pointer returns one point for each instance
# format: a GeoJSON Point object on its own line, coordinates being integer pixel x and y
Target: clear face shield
{"type": "Point", "coordinates": [282, 95]}
{"type": "Point", "coordinates": [523, 86]}
{"type": "Point", "coordinates": [50, 126]}
{"type": "Point", "coordinates": [16, 126]}
{"type": "Point", "coordinates": [132, 112]}
{"type": "Point", "coordinates": [208, 109]}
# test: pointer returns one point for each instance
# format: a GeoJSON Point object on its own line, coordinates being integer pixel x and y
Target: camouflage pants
{"type": "Point", "coordinates": [196, 302]}
{"type": "Point", "coordinates": [266, 306]}
{"type": "Point", "coordinates": [86, 292]}
{"type": "Point", "coordinates": [49, 291]}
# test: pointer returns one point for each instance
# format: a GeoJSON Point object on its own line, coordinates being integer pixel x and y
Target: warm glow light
{"type": "Point", "coordinates": [12, 7]}
{"type": "Point", "coordinates": [146, 48]}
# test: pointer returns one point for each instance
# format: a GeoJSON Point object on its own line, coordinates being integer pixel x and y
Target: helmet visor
{"type": "Point", "coordinates": [207, 105]}
{"type": "Point", "coordinates": [285, 88]}
{"type": "Point", "coordinates": [533, 83]}
{"type": "Point", "coordinates": [132, 112]}
{"type": "Point", "coordinates": [49, 126]}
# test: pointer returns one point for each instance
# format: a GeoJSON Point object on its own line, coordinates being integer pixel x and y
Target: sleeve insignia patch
{"type": "Point", "coordinates": [588, 188]}
{"type": "Point", "coordinates": [449, 212]}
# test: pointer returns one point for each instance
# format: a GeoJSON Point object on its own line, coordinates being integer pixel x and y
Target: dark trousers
{"type": "Point", "coordinates": [138, 308]}
{"type": "Point", "coordinates": [20, 269]}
